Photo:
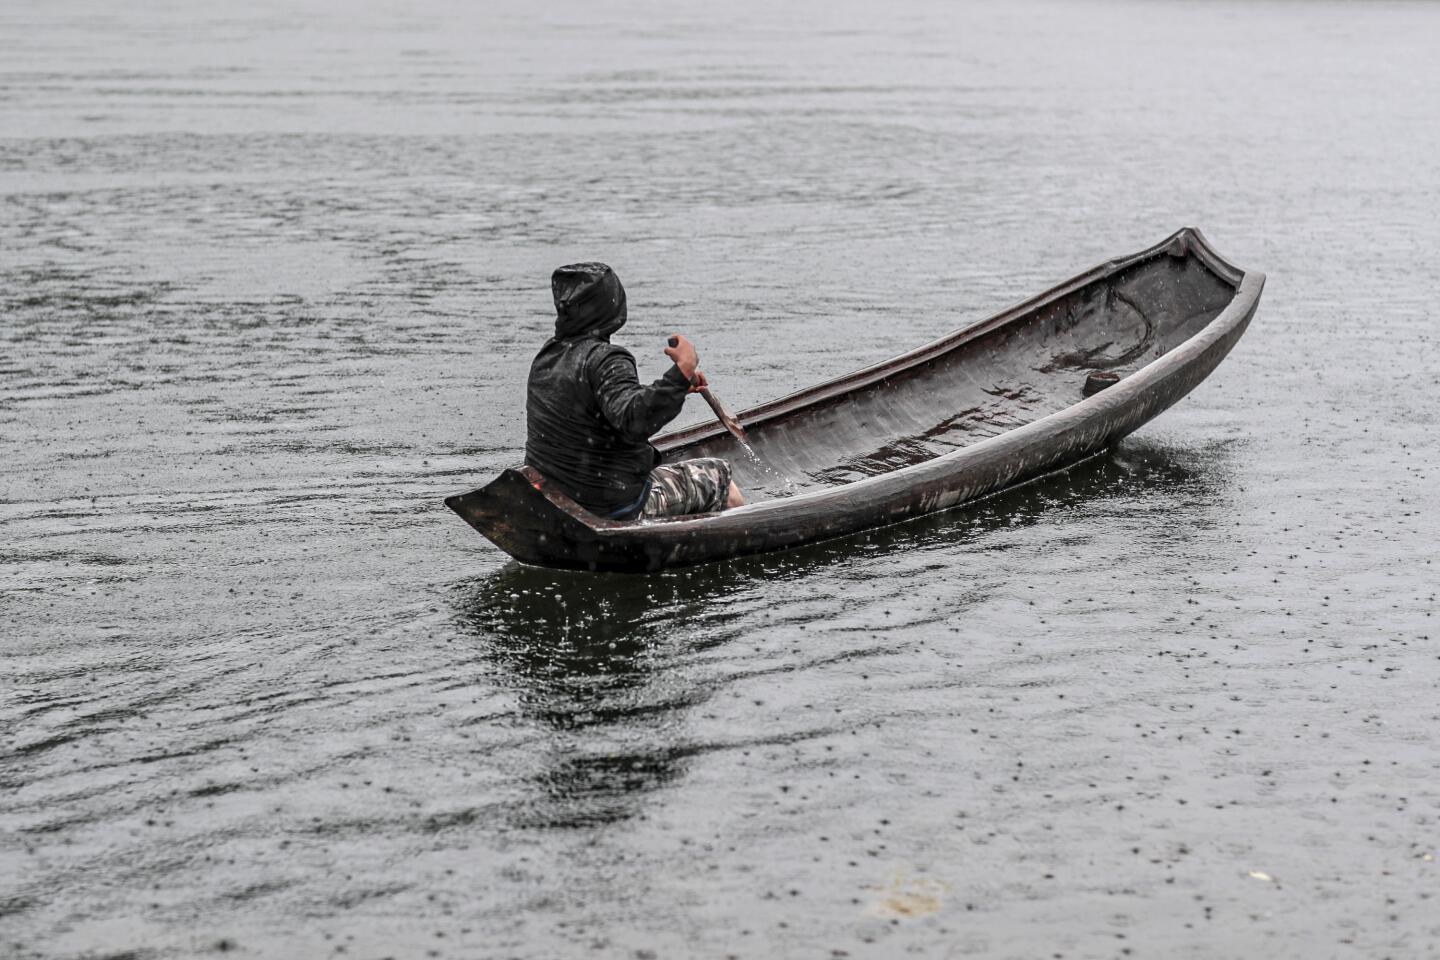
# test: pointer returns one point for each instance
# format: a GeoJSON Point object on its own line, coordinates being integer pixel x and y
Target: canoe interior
{"type": "Point", "coordinates": [991, 379]}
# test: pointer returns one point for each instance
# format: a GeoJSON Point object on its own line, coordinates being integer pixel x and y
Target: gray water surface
{"type": "Point", "coordinates": [271, 276]}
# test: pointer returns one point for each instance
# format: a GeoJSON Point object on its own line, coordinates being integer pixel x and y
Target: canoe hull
{"type": "Point", "coordinates": [525, 516]}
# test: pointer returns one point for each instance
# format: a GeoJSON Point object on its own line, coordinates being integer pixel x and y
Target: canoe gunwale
{"type": "Point", "coordinates": [1185, 240]}
{"type": "Point", "coordinates": [1190, 239]}
{"type": "Point", "coordinates": [960, 476]}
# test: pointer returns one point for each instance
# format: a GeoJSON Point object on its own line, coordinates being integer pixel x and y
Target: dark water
{"type": "Point", "coordinates": [271, 276]}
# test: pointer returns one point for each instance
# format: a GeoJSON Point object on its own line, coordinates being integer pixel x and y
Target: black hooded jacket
{"type": "Point", "coordinates": [588, 418]}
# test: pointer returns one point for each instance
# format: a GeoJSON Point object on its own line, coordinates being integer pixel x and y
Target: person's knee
{"type": "Point", "coordinates": [736, 498]}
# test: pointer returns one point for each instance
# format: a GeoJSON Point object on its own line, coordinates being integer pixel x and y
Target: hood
{"type": "Point", "coordinates": [588, 300]}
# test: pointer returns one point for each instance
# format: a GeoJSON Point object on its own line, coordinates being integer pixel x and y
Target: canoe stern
{"type": "Point", "coordinates": [514, 513]}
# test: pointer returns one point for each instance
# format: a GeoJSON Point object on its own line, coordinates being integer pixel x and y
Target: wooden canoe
{"type": "Point", "coordinates": [1035, 388]}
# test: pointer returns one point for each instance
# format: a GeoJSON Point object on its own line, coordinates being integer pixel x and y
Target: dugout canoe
{"type": "Point", "coordinates": [1035, 388]}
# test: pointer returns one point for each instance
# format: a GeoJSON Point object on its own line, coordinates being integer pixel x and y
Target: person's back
{"type": "Point", "coordinates": [589, 420]}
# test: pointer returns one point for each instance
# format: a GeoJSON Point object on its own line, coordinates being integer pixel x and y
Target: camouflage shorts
{"type": "Point", "coordinates": [690, 486]}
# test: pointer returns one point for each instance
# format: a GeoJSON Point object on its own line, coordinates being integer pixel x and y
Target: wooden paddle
{"type": "Point", "coordinates": [721, 414]}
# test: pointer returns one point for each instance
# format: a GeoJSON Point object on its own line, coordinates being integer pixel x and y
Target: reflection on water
{"type": "Point", "coordinates": [586, 655]}
{"type": "Point", "coordinates": [592, 656]}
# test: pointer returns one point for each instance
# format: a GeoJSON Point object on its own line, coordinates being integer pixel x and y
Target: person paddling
{"type": "Point", "coordinates": [589, 419]}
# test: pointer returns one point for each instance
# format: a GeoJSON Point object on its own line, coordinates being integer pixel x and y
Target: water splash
{"type": "Point", "coordinates": [783, 485]}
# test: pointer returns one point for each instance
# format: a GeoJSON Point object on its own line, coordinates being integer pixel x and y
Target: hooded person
{"type": "Point", "coordinates": [589, 419]}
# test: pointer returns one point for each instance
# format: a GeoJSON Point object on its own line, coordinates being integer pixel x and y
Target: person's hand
{"type": "Point", "coordinates": [682, 351]}
{"type": "Point", "coordinates": [698, 382]}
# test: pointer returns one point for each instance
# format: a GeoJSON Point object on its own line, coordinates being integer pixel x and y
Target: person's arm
{"type": "Point", "coordinates": [682, 351]}
{"type": "Point", "coordinates": [637, 411]}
